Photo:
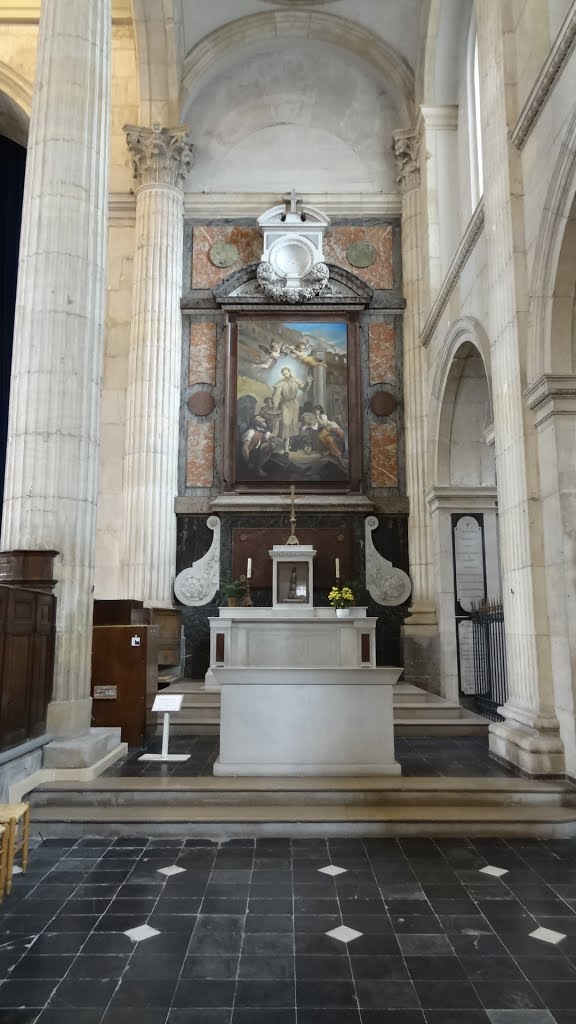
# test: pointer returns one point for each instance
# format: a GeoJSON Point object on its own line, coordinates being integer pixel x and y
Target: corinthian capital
{"type": "Point", "coordinates": [159, 155]}
{"type": "Point", "coordinates": [406, 148]}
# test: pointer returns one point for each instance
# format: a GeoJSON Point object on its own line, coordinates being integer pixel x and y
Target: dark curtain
{"type": "Point", "coordinates": [12, 164]}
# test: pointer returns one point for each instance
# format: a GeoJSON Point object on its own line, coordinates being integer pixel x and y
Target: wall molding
{"type": "Point", "coordinates": [223, 205]}
{"type": "Point", "coordinates": [471, 236]}
{"type": "Point", "coordinates": [549, 74]}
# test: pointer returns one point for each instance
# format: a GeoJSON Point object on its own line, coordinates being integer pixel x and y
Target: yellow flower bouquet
{"type": "Point", "coordinates": [341, 597]}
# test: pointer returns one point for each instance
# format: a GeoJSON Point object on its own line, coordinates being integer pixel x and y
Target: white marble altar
{"type": "Point", "coordinates": [307, 721]}
{"type": "Point", "coordinates": [301, 693]}
{"type": "Point", "coordinates": [290, 636]}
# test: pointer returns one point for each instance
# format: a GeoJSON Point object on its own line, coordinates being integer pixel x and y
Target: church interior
{"type": "Point", "coordinates": [288, 520]}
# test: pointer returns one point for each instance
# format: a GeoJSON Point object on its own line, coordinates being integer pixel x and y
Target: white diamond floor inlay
{"type": "Point", "coordinates": [344, 934]}
{"type": "Point", "coordinates": [172, 870]}
{"type": "Point", "coordinates": [332, 870]}
{"type": "Point", "coordinates": [547, 935]}
{"type": "Point", "coordinates": [16, 869]}
{"type": "Point", "coordinates": [495, 872]}
{"type": "Point", "coordinates": [144, 931]}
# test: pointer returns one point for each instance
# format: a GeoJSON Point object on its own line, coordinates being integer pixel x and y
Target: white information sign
{"type": "Point", "coordinates": [168, 702]}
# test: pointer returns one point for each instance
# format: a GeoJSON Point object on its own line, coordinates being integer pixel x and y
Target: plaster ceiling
{"type": "Point", "coordinates": [395, 21]}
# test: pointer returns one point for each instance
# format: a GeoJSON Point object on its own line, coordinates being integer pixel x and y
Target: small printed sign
{"type": "Point", "coordinates": [105, 693]}
{"type": "Point", "coordinates": [168, 702]}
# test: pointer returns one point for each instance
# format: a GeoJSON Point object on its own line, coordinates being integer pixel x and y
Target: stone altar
{"type": "Point", "coordinates": [301, 693]}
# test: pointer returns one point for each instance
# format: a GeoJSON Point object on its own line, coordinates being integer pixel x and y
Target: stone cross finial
{"type": "Point", "coordinates": [292, 539]}
{"type": "Point", "coordinates": [292, 201]}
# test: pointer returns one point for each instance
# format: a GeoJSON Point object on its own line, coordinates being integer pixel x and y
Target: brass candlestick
{"type": "Point", "coordinates": [246, 601]}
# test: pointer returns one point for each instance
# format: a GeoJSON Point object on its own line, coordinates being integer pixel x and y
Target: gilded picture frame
{"type": "Point", "coordinates": [292, 408]}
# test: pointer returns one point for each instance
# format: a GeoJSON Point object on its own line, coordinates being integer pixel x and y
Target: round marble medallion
{"type": "Point", "coordinates": [383, 403]}
{"type": "Point", "coordinates": [201, 403]}
{"type": "Point", "coordinates": [224, 254]}
{"type": "Point", "coordinates": [361, 254]}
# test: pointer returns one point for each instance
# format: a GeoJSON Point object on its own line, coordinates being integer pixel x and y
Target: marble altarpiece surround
{"type": "Point", "coordinates": [220, 285]}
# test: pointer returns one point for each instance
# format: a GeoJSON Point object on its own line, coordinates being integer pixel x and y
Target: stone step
{"type": "Point", "coordinates": [214, 820]}
{"type": "Point", "coordinates": [416, 713]}
{"type": "Point", "coordinates": [244, 794]}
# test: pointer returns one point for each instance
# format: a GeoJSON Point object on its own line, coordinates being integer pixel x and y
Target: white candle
{"type": "Point", "coordinates": [337, 568]}
{"type": "Point", "coordinates": [249, 569]}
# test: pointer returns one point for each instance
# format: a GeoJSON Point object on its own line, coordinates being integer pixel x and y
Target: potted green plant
{"type": "Point", "coordinates": [233, 590]}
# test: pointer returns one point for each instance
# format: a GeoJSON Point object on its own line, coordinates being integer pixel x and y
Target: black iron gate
{"type": "Point", "coordinates": [489, 655]}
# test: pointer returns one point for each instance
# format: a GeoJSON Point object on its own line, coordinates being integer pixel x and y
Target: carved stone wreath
{"type": "Point", "coordinates": [278, 288]}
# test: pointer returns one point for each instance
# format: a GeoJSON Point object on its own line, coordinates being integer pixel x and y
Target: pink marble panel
{"type": "Point", "coordinates": [202, 366]}
{"type": "Point", "coordinates": [200, 455]}
{"type": "Point", "coordinates": [338, 241]}
{"type": "Point", "coordinates": [248, 241]}
{"type": "Point", "coordinates": [383, 455]}
{"type": "Point", "coordinates": [382, 353]}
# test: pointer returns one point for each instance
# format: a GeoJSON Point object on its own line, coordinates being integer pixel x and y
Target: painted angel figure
{"type": "Point", "coordinates": [273, 353]}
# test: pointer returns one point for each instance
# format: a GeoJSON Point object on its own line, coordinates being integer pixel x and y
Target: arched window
{"type": "Point", "coordinates": [474, 123]}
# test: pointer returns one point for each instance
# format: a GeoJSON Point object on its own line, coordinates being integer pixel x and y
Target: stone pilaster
{"type": "Point", "coordinates": [420, 632]}
{"type": "Point", "coordinates": [51, 489]}
{"type": "Point", "coordinates": [161, 158]}
{"type": "Point", "coordinates": [553, 401]}
{"type": "Point", "coordinates": [529, 736]}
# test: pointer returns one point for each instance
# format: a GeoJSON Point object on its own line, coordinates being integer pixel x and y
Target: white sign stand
{"type": "Point", "coordinates": [166, 702]}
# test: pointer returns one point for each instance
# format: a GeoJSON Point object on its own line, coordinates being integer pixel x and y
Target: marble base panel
{"type": "Point", "coordinates": [307, 721]}
{"type": "Point", "coordinates": [421, 656]}
{"type": "Point", "coordinates": [83, 750]}
{"type": "Point", "coordinates": [16, 770]}
{"type": "Point", "coordinates": [533, 752]}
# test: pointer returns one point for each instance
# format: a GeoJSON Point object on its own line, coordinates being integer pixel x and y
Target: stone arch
{"type": "Point", "coordinates": [159, 43]}
{"type": "Point", "coordinates": [314, 25]}
{"type": "Point", "coordinates": [548, 352]}
{"type": "Point", "coordinates": [15, 105]}
{"type": "Point", "coordinates": [466, 352]}
{"type": "Point", "coordinates": [443, 42]}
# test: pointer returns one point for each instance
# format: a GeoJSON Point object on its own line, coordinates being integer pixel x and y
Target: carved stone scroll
{"type": "Point", "coordinates": [386, 584]}
{"type": "Point", "coordinates": [199, 584]}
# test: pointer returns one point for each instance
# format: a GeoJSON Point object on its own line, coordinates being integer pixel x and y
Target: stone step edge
{"type": "Point", "coordinates": [329, 813]}
{"type": "Point", "coordinates": [359, 783]}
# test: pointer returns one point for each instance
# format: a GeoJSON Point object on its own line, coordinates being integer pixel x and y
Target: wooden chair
{"type": "Point", "coordinates": [16, 821]}
{"type": "Point", "coordinates": [3, 859]}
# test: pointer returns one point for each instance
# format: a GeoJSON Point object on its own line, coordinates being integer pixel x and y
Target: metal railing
{"type": "Point", "coordinates": [489, 656]}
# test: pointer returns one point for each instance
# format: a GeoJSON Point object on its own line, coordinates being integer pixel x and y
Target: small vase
{"type": "Point", "coordinates": [232, 602]}
{"type": "Point", "coordinates": [343, 613]}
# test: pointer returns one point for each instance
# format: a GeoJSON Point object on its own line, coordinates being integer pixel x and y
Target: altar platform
{"type": "Point", "coordinates": [450, 788]}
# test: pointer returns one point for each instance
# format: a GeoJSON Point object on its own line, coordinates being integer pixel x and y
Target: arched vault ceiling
{"type": "Point", "coordinates": [396, 22]}
{"type": "Point", "coordinates": [229, 40]}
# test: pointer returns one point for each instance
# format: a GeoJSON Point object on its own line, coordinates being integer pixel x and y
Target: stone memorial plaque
{"type": "Point", "coordinates": [466, 655]}
{"type": "Point", "coordinates": [469, 562]}
{"type": "Point", "coordinates": [361, 254]}
{"type": "Point", "coordinates": [224, 254]}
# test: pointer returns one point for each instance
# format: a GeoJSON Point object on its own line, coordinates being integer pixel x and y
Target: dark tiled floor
{"type": "Point", "coordinates": [242, 933]}
{"type": "Point", "coordinates": [419, 756]}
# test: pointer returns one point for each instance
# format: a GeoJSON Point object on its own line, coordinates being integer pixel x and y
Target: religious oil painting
{"type": "Point", "coordinates": [292, 402]}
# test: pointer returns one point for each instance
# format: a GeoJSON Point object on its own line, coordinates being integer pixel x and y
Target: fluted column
{"type": "Point", "coordinates": [420, 632]}
{"type": "Point", "coordinates": [161, 158]}
{"type": "Point", "coordinates": [51, 487]}
{"type": "Point", "coordinates": [529, 737]}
